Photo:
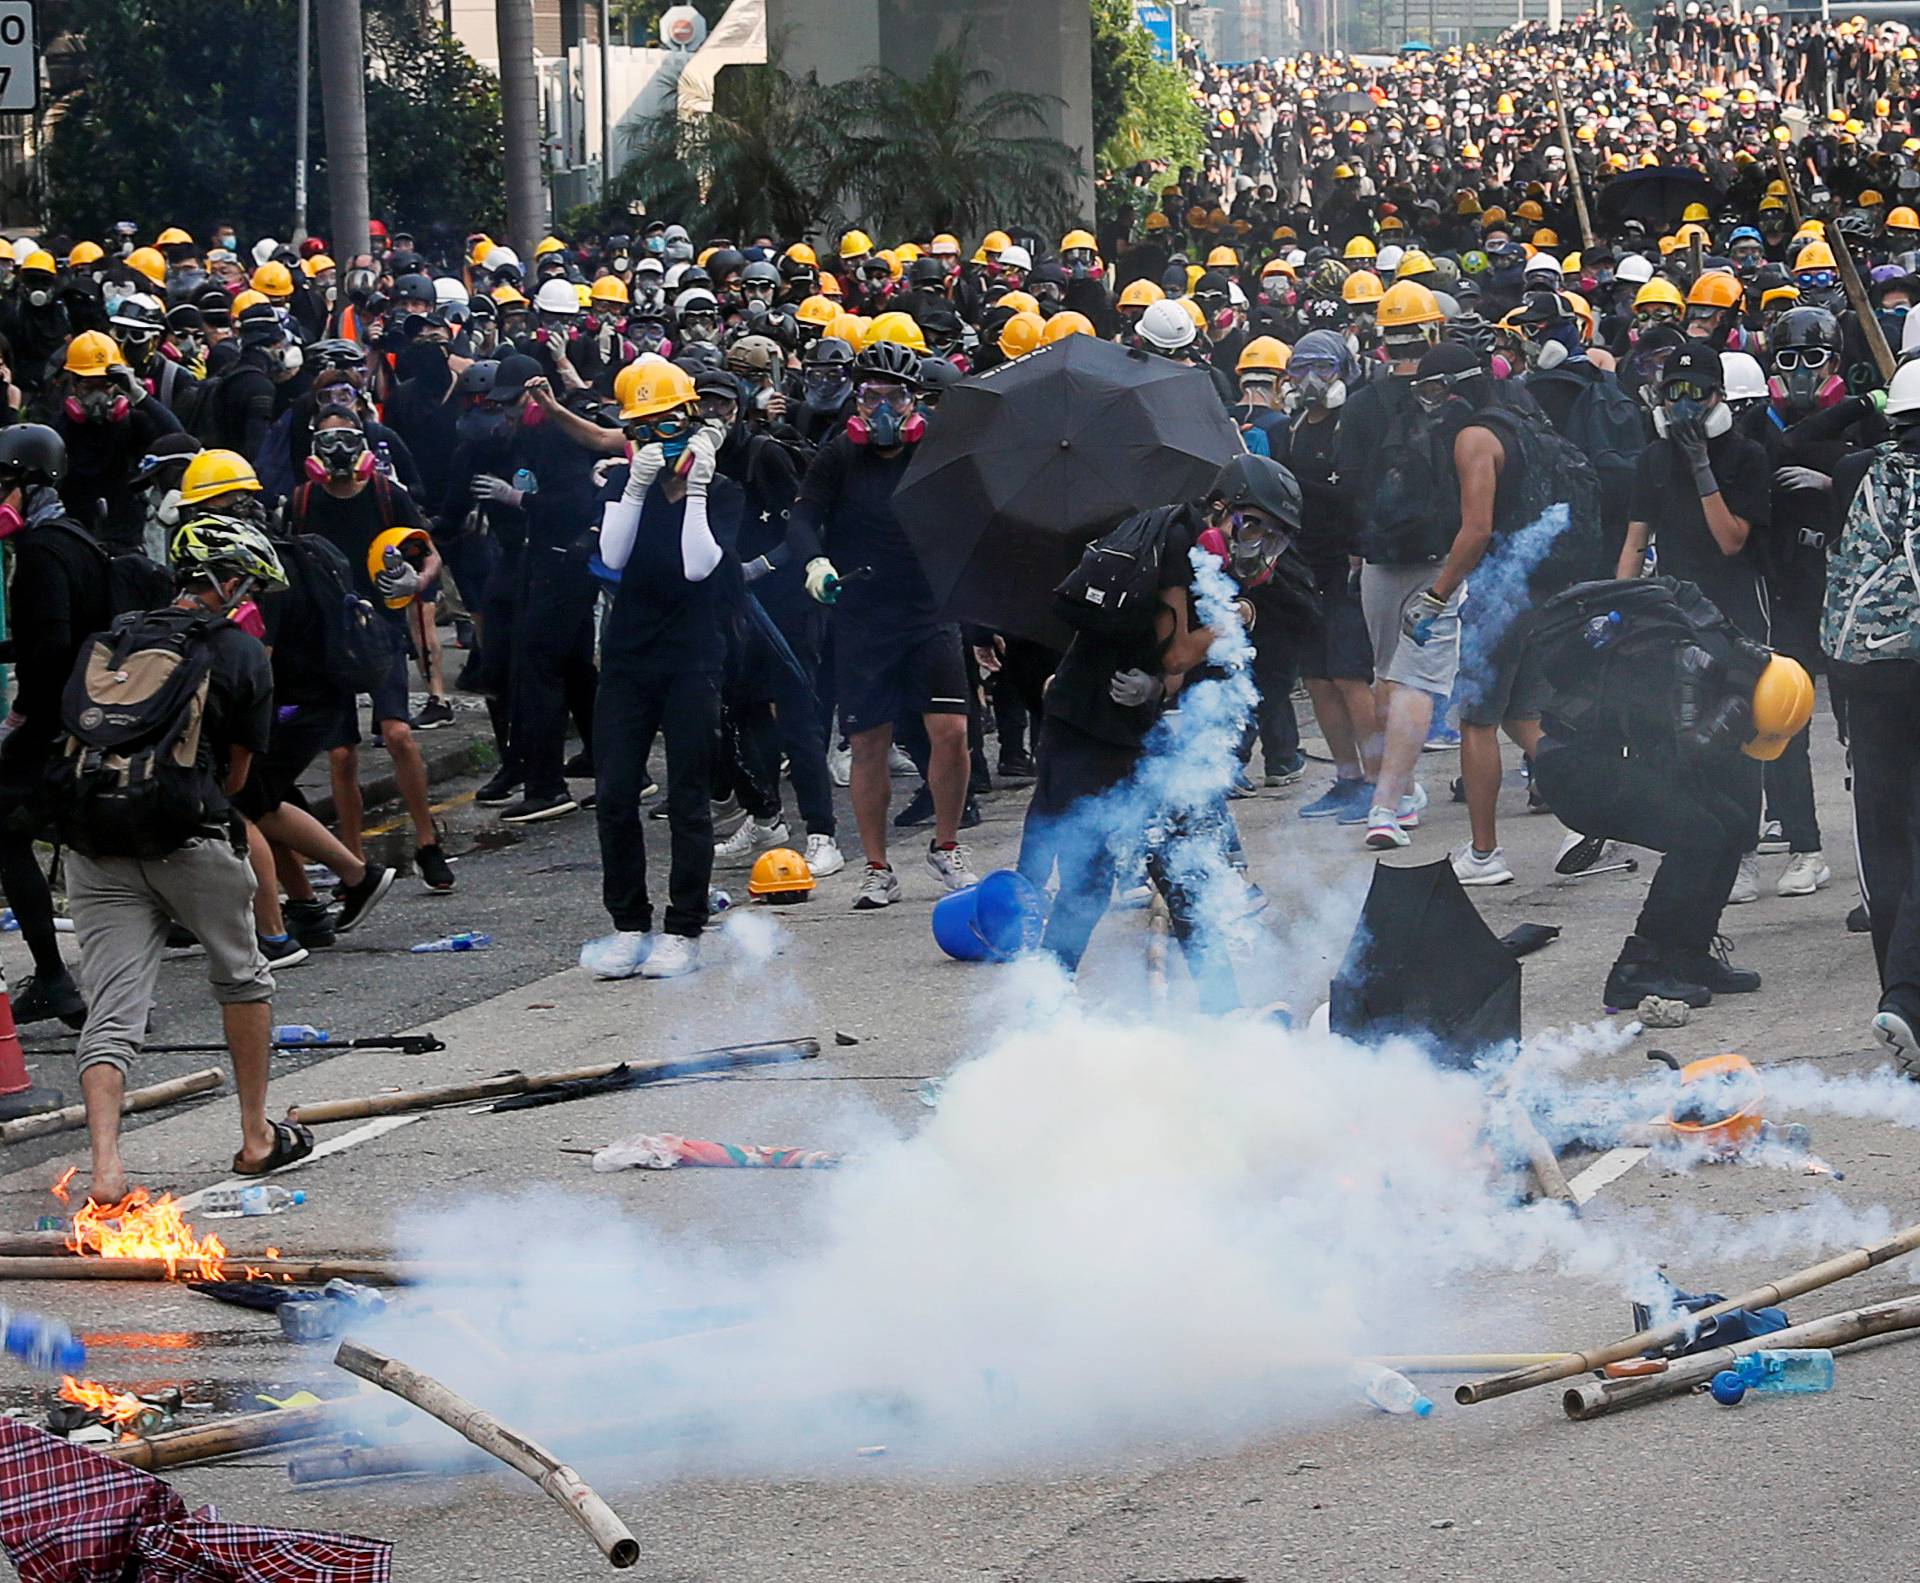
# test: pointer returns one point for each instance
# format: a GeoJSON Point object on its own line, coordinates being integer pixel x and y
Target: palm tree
{"type": "Point", "coordinates": [947, 152]}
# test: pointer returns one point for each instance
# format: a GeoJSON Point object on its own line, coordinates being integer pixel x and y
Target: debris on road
{"type": "Point", "coordinates": [662, 1151]}
{"type": "Point", "coordinates": [466, 940]}
{"type": "Point", "coordinates": [1654, 1012]}
{"type": "Point", "coordinates": [73, 1117]}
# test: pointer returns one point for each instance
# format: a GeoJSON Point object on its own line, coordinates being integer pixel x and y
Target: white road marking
{"type": "Point", "coordinates": [1610, 1167]}
{"type": "Point", "coordinates": [378, 1127]}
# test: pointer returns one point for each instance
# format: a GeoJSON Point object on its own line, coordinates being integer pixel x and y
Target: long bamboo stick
{"type": "Point", "coordinates": [372, 1272]}
{"type": "Point", "coordinates": [170, 1092]}
{"type": "Point", "coordinates": [1459, 1362]}
{"type": "Point", "coordinates": [507, 1083]}
{"type": "Point", "coordinates": [1800, 1282]}
{"type": "Point", "coordinates": [602, 1526]}
{"type": "Point", "coordinates": [1595, 1398]}
{"type": "Point", "coordinates": [178, 1447]}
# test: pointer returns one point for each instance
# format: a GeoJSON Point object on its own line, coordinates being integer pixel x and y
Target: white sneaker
{"type": "Point", "coordinates": [1578, 853]}
{"type": "Point", "coordinates": [1806, 872]}
{"type": "Point", "coordinates": [1471, 869]}
{"type": "Point", "coordinates": [950, 867]}
{"type": "Point", "coordinates": [672, 955]}
{"type": "Point", "coordinates": [1411, 807]}
{"type": "Point", "coordinates": [824, 856]}
{"type": "Point", "coordinates": [899, 764]}
{"type": "Point", "coordinates": [840, 764]}
{"type": "Point", "coordinates": [1385, 830]}
{"type": "Point", "coordinates": [1773, 838]}
{"type": "Point", "coordinates": [1746, 884]}
{"type": "Point", "coordinates": [617, 955]}
{"type": "Point", "coordinates": [879, 887]}
{"type": "Point", "coordinates": [751, 837]}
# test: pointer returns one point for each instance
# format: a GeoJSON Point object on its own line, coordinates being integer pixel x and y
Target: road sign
{"type": "Point", "coordinates": [1158, 21]}
{"type": "Point", "coordinates": [19, 58]}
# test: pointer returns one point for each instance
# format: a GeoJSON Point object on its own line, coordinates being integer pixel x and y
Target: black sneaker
{"type": "Point", "coordinates": [283, 952]}
{"type": "Point", "coordinates": [970, 815]}
{"type": "Point", "coordinates": [1713, 969]}
{"type": "Point", "coordinates": [311, 923]}
{"type": "Point", "coordinates": [356, 901]}
{"type": "Point", "coordinates": [40, 999]}
{"type": "Point", "coordinates": [1641, 971]}
{"type": "Point", "coordinates": [1016, 768]}
{"type": "Point", "coordinates": [531, 809]}
{"type": "Point", "coordinates": [499, 789]}
{"type": "Point", "coordinates": [433, 866]}
{"type": "Point", "coordinates": [1859, 921]}
{"type": "Point", "coordinates": [437, 712]}
{"type": "Point", "coordinates": [580, 766]}
{"type": "Point", "coordinates": [918, 811]}
{"type": "Point", "coordinates": [979, 782]}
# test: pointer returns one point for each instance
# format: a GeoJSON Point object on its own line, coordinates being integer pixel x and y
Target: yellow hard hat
{"type": "Point", "coordinates": [482, 245]}
{"type": "Point", "coordinates": [1062, 325]}
{"type": "Point", "coordinates": [581, 295]}
{"type": "Point", "coordinates": [1782, 706]}
{"type": "Point", "coordinates": [1360, 247]}
{"type": "Point", "coordinates": [91, 353]}
{"type": "Point", "coordinates": [1815, 255]}
{"type": "Point", "coordinates": [846, 327]}
{"type": "Point", "coordinates": [1223, 258]}
{"type": "Point", "coordinates": [212, 473]}
{"type": "Point", "coordinates": [1021, 334]}
{"type": "Point", "coordinates": [995, 242]}
{"type": "Point", "coordinates": [946, 243]}
{"type": "Point", "coordinates": [1407, 302]}
{"type": "Point", "coordinates": [1413, 263]}
{"type": "Point", "coordinates": [548, 244]}
{"type": "Point", "coordinates": [1075, 239]}
{"type": "Point", "coordinates": [818, 311]}
{"type": "Point", "coordinates": [801, 253]}
{"type": "Point", "coordinates": [1157, 221]}
{"type": "Point", "coordinates": [855, 244]}
{"type": "Point", "coordinates": [84, 253]}
{"type": "Point", "coordinates": [1870, 199]}
{"type": "Point", "coordinates": [1020, 301]}
{"type": "Point", "coordinates": [1362, 286]}
{"type": "Point", "coordinates": [1546, 236]}
{"type": "Point", "coordinates": [779, 875]}
{"type": "Point", "coordinates": [906, 253]}
{"type": "Point", "coordinates": [1695, 211]}
{"type": "Point", "coordinates": [1903, 219]}
{"type": "Point", "coordinates": [395, 539]}
{"type": "Point", "coordinates": [656, 386]}
{"type": "Point", "coordinates": [1659, 292]}
{"type": "Point", "coordinates": [892, 261]}
{"type": "Point", "coordinates": [41, 260]}
{"type": "Point", "coordinates": [508, 296]}
{"type": "Point", "coordinates": [900, 328]}
{"type": "Point", "coordinates": [830, 286]}
{"type": "Point", "coordinates": [1265, 354]}
{"type": "Point", "coordinates": [272, 279]}
{"type": "Point", "coordinates": [173, 236]}
{"type": "Point", "coordinates": [609, 288]}
{"type": "Point", "coordinates": [1530, 212]}
{"type": "Point", "coordinates": [1194, 312]}
{"type": "Point", "coordinates": [1392, 222]}
{"type": "Point", "coordinates": [319, 261]}
{"type": "Point", "coordinates": [1141, 294]}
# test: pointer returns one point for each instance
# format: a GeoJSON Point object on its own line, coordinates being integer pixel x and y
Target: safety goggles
{"type": "Point", "coordinates": [757, 291]}
{"type": "Point", "coordinates": [1658, 313]}
{"type": "Point", "coordinates": [871, 398]}
{"type": "Point", "coordinates": [1263, 384]}
{"type": "Point", "coordinates": [667, 426]}
{"type": "Point", "coordinates": [1252, 533]}
{"type": "Point", "coordinates": [1817, 279]}
{"type": "Point", "coordinates": [1791, 359]}
{"type": "Point", "coordinates": [339, 445]}
{"type": "Point", "coordinates": [704, 318]}
{"type": "Point", "coordinates": [1436, 388]}
{"type": "Point", "coordinates": [1687, 390]}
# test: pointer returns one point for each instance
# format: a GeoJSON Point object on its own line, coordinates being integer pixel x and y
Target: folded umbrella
{"type": "Point", "coordinates": [1028, 463]}
{"type": "Point", "coordinates": [68, 1515]}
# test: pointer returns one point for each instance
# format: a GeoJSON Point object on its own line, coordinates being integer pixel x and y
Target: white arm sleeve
{"type": "Point", "coordinates": [619, 527]}
{"type": "Point", "coordinates": [700, 552]}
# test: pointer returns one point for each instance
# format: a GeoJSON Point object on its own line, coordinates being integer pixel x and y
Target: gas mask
{"type": "Point", "coordinates": [1318, 387]}
{"type": "Point", "coordinates": [699, 324]}
{"type": "Point", "coordinates": [1249, 546]}
{"type": "Point", "coordinates": [39, 296]}
{"type": "Point", "coordinates": [1713, 421]}
{"type": "Point", "coordinates": [1553, 348]}
{"type": "Point", "coordinates": [1804, 380]}
{"type": "Point", "coordinates": [885, 416]}
{"type": "Point", "coordinates": [288, 359]}
{"type": "Point", "coordinates": [98, 406]}
{"type": "Point", "coordinates": [360, 283]}
{"type": "Point", "coordinates": [340, 454]}
{"type": "Point", "coordinates": [163, 507]}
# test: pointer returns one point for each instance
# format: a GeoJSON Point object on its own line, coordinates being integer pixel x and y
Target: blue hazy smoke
{"type": "Point", "coordinates": [1498, 595]}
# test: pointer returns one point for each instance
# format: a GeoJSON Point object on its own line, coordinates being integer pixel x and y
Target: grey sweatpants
{"type": "Point", "coordinates": [121, 909]}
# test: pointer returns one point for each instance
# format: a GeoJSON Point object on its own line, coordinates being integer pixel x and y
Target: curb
{"type": "Point", "coordinates": [445, 761]}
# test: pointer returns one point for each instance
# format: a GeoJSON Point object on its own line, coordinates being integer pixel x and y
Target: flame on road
{"type": "Point", "coordinates": [143, 1227]}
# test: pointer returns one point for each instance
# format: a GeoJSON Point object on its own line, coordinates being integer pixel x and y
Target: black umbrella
{"type": "Point", "coordinates": [1422, 963]}
{"type": "Point", "coordinates": [1349, 104]}
{"type": "Point", "coordinates": [1029, 462]}
{"type": "Point", "coordinates": [1656, 196]}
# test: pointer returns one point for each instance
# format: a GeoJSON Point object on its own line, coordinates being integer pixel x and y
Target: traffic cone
{"type": "Point", "coordinates": [18, 1096]}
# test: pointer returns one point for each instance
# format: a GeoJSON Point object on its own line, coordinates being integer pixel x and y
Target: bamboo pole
{"type": "Point", "coordinates": [1573, 165]}
{"type": "Point", "coordinates": [1460, 1362]}
{"type": "Point", "coordinates": [316, 1272]}
{"type": "Point", "coordinates": [503, 1084]}
{"type": "Point", "coordinates": [1862, 308]}
{"type": "Point", "coordinates": [1595, 1398]}
{"type": "Point", "coordinates": [336, 1464]}
{"type": "Point", "coordinates": [612, 1536]}
{"type": "Point", "coordinates": [1800, 1282]}
{"type": "Point", "coordinates": [178, 1447]}
{"type": "Point", "coordinates": [32, 1243]}
{"type": "Point", "coordinates": [170, 1092]}
{"type": "Point", "coordinates": [1545, 1163]}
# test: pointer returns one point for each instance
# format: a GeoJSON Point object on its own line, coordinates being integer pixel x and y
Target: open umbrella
{"type": "Point", "coordinates": [1349, 104]}
{"type": "Point", "coordinates": [1423, 964]}
{"type": "Point", "coordinates": [1656, 196]}
{"type": "Point", "coordinates": [1028, 463]}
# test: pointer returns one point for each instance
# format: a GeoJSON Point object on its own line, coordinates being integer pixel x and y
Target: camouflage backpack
{"type": "Point", "coordinates": [1873, 570]}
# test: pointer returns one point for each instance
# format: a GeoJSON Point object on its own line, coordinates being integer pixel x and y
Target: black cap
{"type": "Point", "coordinates": [1696, 361]}
{"type": "Point", "coordinates": [716, 382]}
{"type": "Point", "coordinates": [1449, 357]}
{"type": "Point", "coordinates": [510, 379]}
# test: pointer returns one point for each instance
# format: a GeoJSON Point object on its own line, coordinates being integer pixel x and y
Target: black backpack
{"type": "Point", "coordinates": [134, 581]}
{"type": "Point", "coordinates": [356, 641]}
{"type": "Point", "coordinates": [1545, 469]}
{"type": "Point", "coordinates": [1605, 426]}
{"type": "Point", "coordinates": [1115, 590]}
{"type": "Point", "coordinates": [127, 780]}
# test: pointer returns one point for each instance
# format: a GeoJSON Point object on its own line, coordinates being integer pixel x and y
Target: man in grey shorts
{"type": "Point", "coordinates": [123, 904]}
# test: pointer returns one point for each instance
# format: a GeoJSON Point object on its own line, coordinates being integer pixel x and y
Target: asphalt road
{"type": "Point", "coordinates": [1010, 1244]}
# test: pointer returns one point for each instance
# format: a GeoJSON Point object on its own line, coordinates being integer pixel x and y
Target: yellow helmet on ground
{"type": "Point", "coordinates": [659, 387]}
{"type": "Point", "coordinates": [216, 472]}
{"type": "Point", "coordinates": [403, 540]}
{"type": "Point", "coordinates": [780, 877]}
{"type": "Point", "coordinates": [91, 353]}
{"type": "Point", "coordinates": [1782, 706]}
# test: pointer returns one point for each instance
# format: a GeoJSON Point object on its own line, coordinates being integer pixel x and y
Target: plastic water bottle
{"type": "Point", "coordinates": [301, 1033]}
{"type": "Point", "coordinates": [1602, 630]}
{"type": "Point", "coordinates": [525, 481]}
{"type": "Point", "coordinates": [1783, 1371]}
{"type": "Point", "coordinates": [263, 1198]}
{"type": "Point", "coordinates": [718, 901]}
{"type": "Point", "coordinates": [383, 459]}
{"type": "Point", "coordinates": [9, 924]}
{"type": "Point", "coordinates": [1389, 1391]}
{"type": "Point", "coordinates": [466, 941]}
{"type": "Point", "coordinates": [41, 1343]}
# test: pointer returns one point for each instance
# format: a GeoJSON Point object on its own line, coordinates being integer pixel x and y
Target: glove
{"type": "Point", "coordinates": [124, 376]}
{"type": "Point", "coordinates": [494, 491]}
{"type": "Point", "coordinates": [823, 582]}
{"type": "Point", "coordinates": [1800, 478]}
{"type": "Point", "coordinates": [757, 568]}
{"type": "Point", "coordinates": [647, 464]}
{"type": "Point", "coordinates": [1130, 689]}
{"type": "Point", "coordinates": [397, 582]}
{"type": "Point", "coordinates": [697, 464]}
{"type": "Point", "coordinates": [1419, 613]}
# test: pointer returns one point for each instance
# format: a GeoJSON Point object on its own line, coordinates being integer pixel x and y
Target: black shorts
{"type": "Point", "coordinates": [389, 694]}
{"type": "Point", "coordinates": [1500, 681]}
{"type": "Point", "coordinates": [1336, 647]}
{"type": "Point", "coordinates": [297, 740]}
{"type": "Point", "coordinates": [884, 676]}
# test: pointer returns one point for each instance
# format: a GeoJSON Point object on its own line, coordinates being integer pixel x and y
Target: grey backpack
{"type": "Point", "coordinates": [1872, 609]}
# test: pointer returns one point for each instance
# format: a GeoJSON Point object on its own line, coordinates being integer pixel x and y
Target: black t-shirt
{"type": "Point", "coordinates": [567, 500]}
{"type": "Point", "coordinates": [846, 504]}
{"type": "Point", "coordinates": [661, 622]}
{"type": "Point", "coordinates": [1309, 452]}
{"type": "Point", "coordinates": [352, 524]}
{"type": "Point", "coordinates": [1665, 498]}
{"type": "Point", "coordinates": [296, 636]}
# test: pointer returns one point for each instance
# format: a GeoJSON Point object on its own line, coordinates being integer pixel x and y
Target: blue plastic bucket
{"type": "Point", "coordinates": [993, 921]}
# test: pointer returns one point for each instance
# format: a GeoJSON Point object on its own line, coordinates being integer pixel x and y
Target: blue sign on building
{"type": "Point", "coordinates": [1158, 21]}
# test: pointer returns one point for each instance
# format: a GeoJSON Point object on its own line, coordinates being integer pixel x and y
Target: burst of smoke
{"type": "Point", "coordinates": [1498, 595]}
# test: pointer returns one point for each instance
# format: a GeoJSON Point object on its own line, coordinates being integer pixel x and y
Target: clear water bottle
{"type": "Point", "coordinates": [469, 940]}
{"type": "Point", "coordinates": [1389, 1391]}
{"type": "Point", "coordinates": [261, 1198]}
{"type": "Point", "coordinates": [41, 1342]}
{"type": "Point", "coordinates": [1602, 630]}
{"type": "Point", "coordinates": [1782, 1371]}
{"type": "Point", "coordinates": [301, 1033]}
{"type": "Point", "coordinates": [526, 482]}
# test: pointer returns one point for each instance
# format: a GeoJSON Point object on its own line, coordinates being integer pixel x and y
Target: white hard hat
{"type": "Point", "coordinates": [557, 296]}
{"type": "Point", "coordinates": [1016, 258]}
{"type": "Point", "coordinates": [264, 249]}
{"type": "Point", "coordinates": [448, 288]}
{"type": "Point", "coordinates": [1743, 377]}
{"type": "Point", "coordinates": [500, 258]}
{"type": "Point", "coordinates": [1634, 270]}
{"type": "Point", "coordinates": [692, 297]}
{"type": "Point", "coordinates": [1910, 335]}
{"type": "Point", "coordinates": [672, 277]}
{"type": "Point", "coordinates": [24, 248]}
{"type": "Point", "coordinates": [1542, 264]}
{"type": "Point", "coordinates": [1166, 325]}
{"type": "Point", "coordinates": [1389, 259]}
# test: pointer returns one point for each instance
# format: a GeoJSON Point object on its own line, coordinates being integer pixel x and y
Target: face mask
{"type": "Point", "coordinates": [676, 447]}
{"type": "Point", "coordinates": [422, 360]}
{"type": "Point", "coordinates": [532, 415]}
{"type": "Point", "coordinates": [247, 617]}
{"type": "Point", "coordinates": [480, 426]}
{"type": "Point", "coordinates": [1893, 321]}
{"type": "Point", "coordinates": [112, 296]}
{"type": "Point", "coordinates": [163, 506]}
{"type": "Point", "coordinates": [1320, 390]}
{"type": "Point", "coordinates": [1804, 390]}
{"type": "Point", "coordinates": [11, 522]}
{"type": "Point", "coordinates": [289, 359]}
{"type": "Point", "coordinates": [39, 299]}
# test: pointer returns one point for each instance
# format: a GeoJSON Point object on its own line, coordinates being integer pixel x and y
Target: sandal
{"type": "Point", "coordinates": [291, 1142]}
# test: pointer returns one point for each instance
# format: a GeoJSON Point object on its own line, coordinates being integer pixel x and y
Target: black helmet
{"type": "Point", "coordinates": [698, 355]}
{"type": "Point", "coordinates": [476, 379]}
{"type": "Point", "coordinates": [1543, 310]}
{"type": "Point", "coordinates": [926, 271]}
{"type": "Point", "coordinates": [889, 360]}
{"type": "Point", "coordinates": [1262, 483]}
{"type": "Point", "coordinates": [938, 375]}
{"type": "Point", "coordinates": [31, 453]}
{"type": "Point", "coordinates": [1805, 327]}
{"type": "Point", "coordinates": [762, 272]}
{"type": "Point", "coordinates": [412, 288]}
{"type": "Point", "coordinates": [727, 261]}
{"type": "Point", "coordinates": [337, 352]}
{"type": "Point", "coordinates": [828, 352]}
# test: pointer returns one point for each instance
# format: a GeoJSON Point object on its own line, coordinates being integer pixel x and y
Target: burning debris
{"type": "Point", "coordinates": [143, 1227]}
{"type": "Point", "coordinates": [86, 1404]}
{"type": "Point", "coordinates": [662, 1151]}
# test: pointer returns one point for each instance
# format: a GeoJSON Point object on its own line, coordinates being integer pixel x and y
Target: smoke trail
{"type": "Point", "coordinates": [1498, 595]}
